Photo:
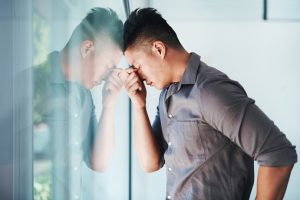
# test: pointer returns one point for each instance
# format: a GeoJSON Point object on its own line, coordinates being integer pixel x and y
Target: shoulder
{"type": "Point", "coordinates": [207, 76]}
{"type": "Point", "coordinates": [215, 86]}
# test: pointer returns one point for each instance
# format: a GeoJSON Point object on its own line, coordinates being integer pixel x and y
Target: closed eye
{"type": "Point", "coordinates": [134, 67]}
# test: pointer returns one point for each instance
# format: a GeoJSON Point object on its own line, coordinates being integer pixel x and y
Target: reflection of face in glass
{"type": "Point", "coordinates": [98, 62]}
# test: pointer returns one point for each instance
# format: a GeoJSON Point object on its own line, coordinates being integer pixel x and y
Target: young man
{"type": "Point", "coordinates": [63, 101]}
{"type": "Point", "coordinates": [207, 131]}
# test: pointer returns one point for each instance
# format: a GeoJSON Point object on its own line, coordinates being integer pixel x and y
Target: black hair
{"type": "Point", "coordinates": [98, 21]}
{"type": "Point", "coordinates": [146, 24]}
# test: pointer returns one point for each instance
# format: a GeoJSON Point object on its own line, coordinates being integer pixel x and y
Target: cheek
{"type": "Point", "coordinates": [97, 73]}
{"type": "Point", "coordinates": [88, 69]}
{"type": "Point", "coordinates": [155, 71]}
{"type": "Point", "coordinates": [89, 73]}
{"type": "Point", "coordinates": [98, 67]}
{"type": "Point", "coordinates": [86, 78]}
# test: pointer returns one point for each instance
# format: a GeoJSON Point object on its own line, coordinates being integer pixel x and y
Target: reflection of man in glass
{"type": "Point", "coordinates": [63, 102]}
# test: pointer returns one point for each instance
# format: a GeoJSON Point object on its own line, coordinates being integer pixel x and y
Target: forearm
{"type": "Point", "coordinates": [272, 182]}
{"type": "Point", "coordinates": [104, 141]}
{"type": "Point", "coordinates": [146, 146]}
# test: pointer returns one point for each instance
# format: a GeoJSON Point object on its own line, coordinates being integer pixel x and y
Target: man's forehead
{"type": "Point", "coordinates": [134, 52]}
{"type": "Point", "coordinates": [129, 54]}
{"type": "Point", "coordinates": [106, 42]}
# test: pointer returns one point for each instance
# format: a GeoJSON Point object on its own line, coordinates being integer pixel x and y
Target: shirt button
{"type": "Point", "coordinates": [170, 169]}
{"type": "Point", "coordinates": [75, 115]}
{"type": "Point", "coordinates": [170, 115]}
{"type": "Point", "coordinates": [169, 143]}
{"type": "Point", "coordinates": [168, 197]}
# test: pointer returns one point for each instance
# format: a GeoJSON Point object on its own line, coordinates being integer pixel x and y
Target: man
{"type": "Point", "coordinates": [207, 131]}
{"type": "Point", "coordinates": [63, 101]}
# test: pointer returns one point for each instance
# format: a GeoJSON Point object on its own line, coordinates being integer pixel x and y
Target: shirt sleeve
{"type": "Point", "coordinates": [226, 107]}
{"type": "Point", "coordinates": [157, 131]}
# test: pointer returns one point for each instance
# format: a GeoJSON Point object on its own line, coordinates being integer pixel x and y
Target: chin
{"type": "Point", "coordinates": [159, 87]}
{"type": "Point", "coordinates": [162, 86]}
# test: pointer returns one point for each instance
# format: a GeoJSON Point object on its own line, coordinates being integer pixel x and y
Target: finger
{"type": "Point", "coordinates": [130, 70]}
{"type": "Point", "coordinates": [133, 89]}
{"type": "Point", "coordinates": [123, 75]}
{"type": "Point", "coordinates": [127, 85]}
{"type": "Point", "coordinates": [117, 71]}
{"type": "Point", "coordinates": [133, 81]}
{"type": "Point", "coordinates": [113, 80]}
{"type": "Point", "coordinates": [113, 85]}
{"type": "Point", "coordinates": [116, 77]}
{"type": "Point", "coordinates": [136, 80]}
{"type": "Point", "coordinates": [138, 86]}
{"type": "Point", "coordinates": [130, 77]}
{"type": "Point", "coordinates": [118, 80]}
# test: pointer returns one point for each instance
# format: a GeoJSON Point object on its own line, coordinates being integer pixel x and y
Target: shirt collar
{"type": "Point", "coordinates": [190, 73]}
{"type": "Point", "coordinates": [56, 74]}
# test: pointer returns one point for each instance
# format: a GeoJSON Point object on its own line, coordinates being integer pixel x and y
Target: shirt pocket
{"type": "Point", "coordinates": [187, 145]}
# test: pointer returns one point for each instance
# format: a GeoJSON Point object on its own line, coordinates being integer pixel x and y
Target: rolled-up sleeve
{"type": "Point", "coordinates": [157, 131]}
{"type": "Point", "coordinates": [226, 107]}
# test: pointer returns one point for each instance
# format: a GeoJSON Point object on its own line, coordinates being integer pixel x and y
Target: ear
{"type": "Point", "coordinates": [159, 49]}
{"type": "Point", "coordinates": [86, 48]}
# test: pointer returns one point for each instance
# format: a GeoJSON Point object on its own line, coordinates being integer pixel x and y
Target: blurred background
{"type": "Point", "coordinates": [256, 42]}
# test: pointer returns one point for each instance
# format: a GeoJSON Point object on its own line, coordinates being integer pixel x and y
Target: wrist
{"type": "Point", "coordinates": [110, 104]}
{"type": "Point", "coordinates": [139, 107]}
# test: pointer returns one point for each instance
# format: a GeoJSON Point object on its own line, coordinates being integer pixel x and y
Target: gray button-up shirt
{"type": "Point", "coordinates": [209, 132]}
{"type": "Point", "coordinates": [68, 111]}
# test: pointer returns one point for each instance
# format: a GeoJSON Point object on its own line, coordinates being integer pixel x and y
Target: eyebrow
{"type": "Point", "coordinates": [133, 63]}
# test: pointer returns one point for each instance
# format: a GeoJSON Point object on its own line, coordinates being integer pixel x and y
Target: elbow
{"type": "Point", "coordinates": [99, 167]}
{"type": "Point", "coordinates": [97, 164]}
{"type": "Point", "coordinates": [150, 167]}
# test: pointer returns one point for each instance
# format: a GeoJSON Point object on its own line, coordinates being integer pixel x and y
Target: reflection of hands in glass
{"type": "Point", "coordinates": [135, 88]}
{"type": "Point", "coordinates": [104, 141]}
{"type": "Point", "coordinates": [112, 88]}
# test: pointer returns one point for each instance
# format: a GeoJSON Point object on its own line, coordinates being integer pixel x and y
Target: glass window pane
{"type": "Point", "coordinates": [72, 64]}
{"type": "Point", "coordinates": [148, 186]}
